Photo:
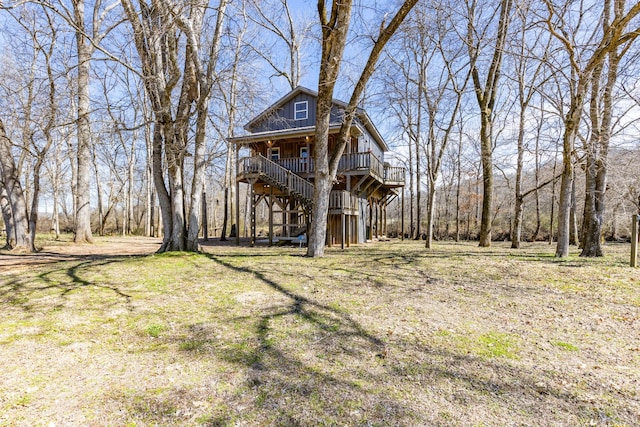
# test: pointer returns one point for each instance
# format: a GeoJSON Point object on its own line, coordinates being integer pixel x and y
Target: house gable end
{"type": "Point", "coordinates": [298, 108]}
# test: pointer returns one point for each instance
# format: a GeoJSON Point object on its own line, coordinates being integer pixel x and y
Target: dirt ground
{"type": "Point", "coordinates": [54, 251]}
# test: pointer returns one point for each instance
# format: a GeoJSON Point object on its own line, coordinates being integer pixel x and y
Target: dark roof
{"type": "Point", "coordinates": [361, 114]}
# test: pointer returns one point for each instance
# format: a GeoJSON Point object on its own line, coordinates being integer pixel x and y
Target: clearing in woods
{"type": "Point", "coordinates": [386, 333]}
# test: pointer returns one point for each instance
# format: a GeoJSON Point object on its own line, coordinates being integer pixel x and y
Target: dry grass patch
{"type": "Point", "coordinates": [380, 334]}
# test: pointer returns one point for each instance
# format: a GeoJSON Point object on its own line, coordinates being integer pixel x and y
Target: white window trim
{"type": "Point", "coordinates": [297, 110]}
{"type": "Point", "coordinates": [275, 153]}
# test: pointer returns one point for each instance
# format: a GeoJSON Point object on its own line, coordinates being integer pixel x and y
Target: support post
{"type": "Point", "coordinates": [205, 218]}
{"type": "Point", "coordinates": [349, 230]}
{"type": "Point", "coordinates": [237, 198]}
{"type": "Point", "coordinates": [634, 240]}
{"type": "Point", "coordinates": [270, 216]}
{"type": "Point", "coordinates": [384, 220]}
{"type": "Point", "coordinates": [402, 217]}
{"type": "Point", "coordinates": [342, 226]}
{"type": "Point", "coordinates": [253, 215]}
{"type": "Point", "coordinates": [370, 218]}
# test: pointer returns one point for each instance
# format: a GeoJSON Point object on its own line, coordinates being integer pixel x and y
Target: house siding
{"type": "Point", "coordinates": [284, 117]}
{"type": "Point", "coordinates": [366, 142]}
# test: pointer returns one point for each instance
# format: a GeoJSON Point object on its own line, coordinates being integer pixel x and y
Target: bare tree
{"type": "Point", "coordinates": [159, 34]}
{"type": "Point", "coordinates": [583, 64]}
{"type": "Point", "coordinates": [230, 97]}
{"type": "Point", "coordinates": [15, 195]}
{"type": "Point", "coordinates": [486, 95]}
{"type": "Point", "coordinates": [444, 100]}
{"type": "Point", "coordinates": [601, 111]}
{"type": "Point", "coordinates": [334, 36]}
{"type": "Point", "coordinates": [275, 17]}
{"type": "Point", "coordinates": [529, 62]}
{"type": "Point", "coordinates": [7, 216]}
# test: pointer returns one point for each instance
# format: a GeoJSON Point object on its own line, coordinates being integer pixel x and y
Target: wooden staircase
{"type": "Point", "coordinates": [279, 177]}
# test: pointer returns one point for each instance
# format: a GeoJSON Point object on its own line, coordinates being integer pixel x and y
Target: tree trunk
{"type": "Point", "coordinates": [164, 200]}
{"type": "Point", "coordinates": [197, 186]}
{"type": "Point", "coordinates": [83, 187]}
{"type": "Point", "coordinates": [458, 184]}
{"type": "Point", "coordinates": [7, 217]}
{"type": "Point", "coordinates": [15, 195]}
{"type": "Point", "coordinates": [573, 215]}
{"type": "Point", "coordinates": [486, 97]}
{"type": "Point", "coordinates": [564, 204]}
{"type": "Point", "coordinates": [516, 232]}
{"type": "Point", "coordinates": [35, 198]}
{"type": "Point", "coordinates": [334, 38]}
{"type": "Point", "coordinates": [417, 172]}
{"type": "Point", "coordinates": [430, 214]}
{"type": "Point", "coordinates": [486, 156]}
{"type": "Point", "coordinates": [597, 160]}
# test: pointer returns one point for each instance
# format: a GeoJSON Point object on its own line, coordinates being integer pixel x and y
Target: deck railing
{"type": "Point", "coordinates": [283, 173]}
{"type": "Point", "coordinates": [394, 174]}
{"type": "Point", "coordinates": [348, 162]}
{"type": "Point", "coordinates": [297, 164]}
{"type": "Point", "coordinates": [282, 177]}
{"type": "Point", "coordinates": [340, 199]}
{"type": "Point", "coordinates": [361, 161]}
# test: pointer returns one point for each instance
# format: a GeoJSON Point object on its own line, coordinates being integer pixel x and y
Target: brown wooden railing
{"type": "Point", "coordinates": [362, 161]}
{"type": "Point", "coordinates": [348, 162]}
{"type": "Point", "coordinates": [293, 184]}
{"type": "Point", "coordinates": [340, 199]}
{"type": "Point", "coordinates": [281, 177]}
{"type": "Point", "coordinates": [394, 174]}
{"type": "Point", "coordinates": [297, 164]}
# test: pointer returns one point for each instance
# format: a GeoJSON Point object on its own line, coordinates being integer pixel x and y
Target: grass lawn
{"type": "Point", "coordinates": [380, 334]}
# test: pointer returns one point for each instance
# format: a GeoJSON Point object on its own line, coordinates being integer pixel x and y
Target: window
{"type": "Point", "coordinates": [301, 110]}
{"type": "Point", "coordinates": [275, 153]}
{"type": "Point", "coordinates": [303, 152]}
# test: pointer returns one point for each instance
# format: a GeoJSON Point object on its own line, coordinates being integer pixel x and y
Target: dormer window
{"type": "Point", "coordinates": [301, 110]}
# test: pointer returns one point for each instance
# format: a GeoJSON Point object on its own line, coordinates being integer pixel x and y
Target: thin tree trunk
{"type": "Point", "coordinates": [458, 185]}
{"type": "Point", "coordinates": [573, 222]}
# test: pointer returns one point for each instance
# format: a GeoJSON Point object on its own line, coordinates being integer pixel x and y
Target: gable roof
{"type": "Point", "coordinates": [361, 114]}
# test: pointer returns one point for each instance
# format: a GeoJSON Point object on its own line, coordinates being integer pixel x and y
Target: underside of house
{"type": "Point", "coordinates": [280, 172]}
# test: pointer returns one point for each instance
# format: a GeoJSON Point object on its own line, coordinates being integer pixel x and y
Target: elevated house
{"type": "Point", "coordinates": [280, 172]}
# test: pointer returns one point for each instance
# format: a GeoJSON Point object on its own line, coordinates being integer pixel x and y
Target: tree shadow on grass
{"type": "Point", "coordinates": [294, 361]}
{"type": "Point", "coordinates": [22, 290]}
{"type": "Point", "coordinates": [339, 371]}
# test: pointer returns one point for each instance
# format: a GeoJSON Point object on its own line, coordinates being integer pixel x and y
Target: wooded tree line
{"type": "Point", "coordinates": [497, 109]}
